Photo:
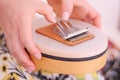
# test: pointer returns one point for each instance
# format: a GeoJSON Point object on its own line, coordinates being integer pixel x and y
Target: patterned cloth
{"type": "Point", "coordinates": [10, 70]}
{"type": "Point", "coordinates": [111, 70]}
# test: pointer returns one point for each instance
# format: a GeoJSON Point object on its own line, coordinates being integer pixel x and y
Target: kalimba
{"type": "Point", "coordinates": [87, 55]}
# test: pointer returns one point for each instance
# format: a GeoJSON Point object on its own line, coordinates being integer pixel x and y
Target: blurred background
{"type": "Point", "coordinates": [110, 13]}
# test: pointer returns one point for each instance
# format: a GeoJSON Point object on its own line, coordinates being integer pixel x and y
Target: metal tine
{"type": "Point", "coordinates": [61, 29]}
{"type": "Point", "coordinates": [73, 27]}
{"type": "Point", "coordinates": [60, 23]}
{"type": "Point", "coordinates": [70, 24]}
{"type": "Point", "coordinates": [65, 23]}
{"type": "Point", "coordinates": [58, 32]}
{"type": "Point", "coordinates": [69, 28]}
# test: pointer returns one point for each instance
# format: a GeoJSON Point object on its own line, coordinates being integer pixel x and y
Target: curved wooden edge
{"type": "Point", "coordinates": [69, 67]}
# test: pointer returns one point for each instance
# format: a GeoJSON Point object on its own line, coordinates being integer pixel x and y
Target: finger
{"type": "Point", "coordinates": [86, 20]}
{"type": "Point", "coordinates": [95, 18]}
{"type": "Point", "coordinates": [17, 50]}
{"type": "Point", "coordinates": [46, 10]}
{"type": "Point", "coordinates": [97, 21]}
{"type": "Point", "coordinates": [67, 7]}
{"type": "Point", "coordinates": [25, 34]}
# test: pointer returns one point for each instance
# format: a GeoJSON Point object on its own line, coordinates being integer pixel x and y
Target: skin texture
{"type": "Point", "coordinates": [16, 18]}
{"type": "Point", "coordinates": [78, 9]}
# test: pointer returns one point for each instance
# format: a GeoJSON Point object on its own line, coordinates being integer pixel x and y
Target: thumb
{"type": "Point", "coordinates": [67, 7]}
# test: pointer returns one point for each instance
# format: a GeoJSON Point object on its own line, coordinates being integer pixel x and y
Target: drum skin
{"type": "Point", "coordinates": [89, 56]}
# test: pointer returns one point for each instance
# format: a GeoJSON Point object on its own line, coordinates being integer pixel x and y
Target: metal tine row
{"type": "Point", "coordinates": [66, 27]}
{"type": "Point", "coordinates": [67, 30]}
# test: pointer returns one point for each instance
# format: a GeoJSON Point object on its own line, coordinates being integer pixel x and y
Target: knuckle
{"type": "Point", "coordinates": [49, 9]}
{"type": "Point", "coordinates": [24, 41]}
{"type": "Point", "coordinates": [23, 62]}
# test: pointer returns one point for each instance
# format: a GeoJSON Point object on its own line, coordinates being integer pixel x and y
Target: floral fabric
{"type": "Point", "coordinates": [10, 70]}
{"type": "Point", "coordinates": [111, 70]}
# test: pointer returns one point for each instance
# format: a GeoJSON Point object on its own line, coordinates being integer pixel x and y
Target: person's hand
{"type": "Point", "coordinates": [78, 9]}
{"type": "Point", "coordinates": [15, 20]}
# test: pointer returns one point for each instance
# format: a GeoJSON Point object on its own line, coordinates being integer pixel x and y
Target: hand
{"type": "Point", "coordinates": [78, 9]}
{"type": "Point", "coordinates": [15, 19]}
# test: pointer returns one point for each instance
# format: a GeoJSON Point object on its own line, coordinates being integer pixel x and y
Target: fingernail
{"type": "Point", "coordinates": [38, 56]}
{"type": "Point", "coordinates": [30, 69]}
{"type": "Point", "coordinates": [65, 16]}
